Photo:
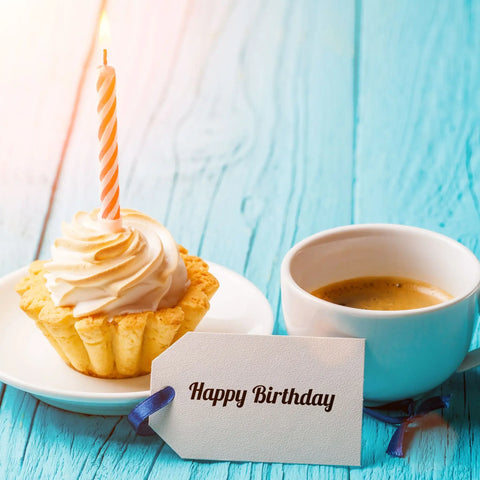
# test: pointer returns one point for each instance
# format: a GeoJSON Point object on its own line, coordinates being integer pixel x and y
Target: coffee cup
{"type": "Point", "coordinates": [407, 352]}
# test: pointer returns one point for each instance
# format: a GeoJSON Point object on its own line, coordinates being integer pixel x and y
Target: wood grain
{"type": "Point", "coordinates": [43, 48]}
{"type": "Point", "coordinates": [416, 163]}
{"type": "Point", "coordinates": [244, 126]}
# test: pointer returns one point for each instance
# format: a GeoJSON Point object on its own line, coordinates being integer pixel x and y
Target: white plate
{"type": "Point", "coordinates": [28, 362]}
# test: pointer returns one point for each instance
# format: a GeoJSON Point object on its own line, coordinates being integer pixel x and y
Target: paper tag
{"type": "Point", "coordinates": [262, 398]}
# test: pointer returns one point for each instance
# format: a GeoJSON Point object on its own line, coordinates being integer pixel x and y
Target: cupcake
{"type": "Point", "coordinates": [109, 303]}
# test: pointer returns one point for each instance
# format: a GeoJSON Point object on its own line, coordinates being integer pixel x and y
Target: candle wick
{"type": "Point", "coordinates": [104, 56]}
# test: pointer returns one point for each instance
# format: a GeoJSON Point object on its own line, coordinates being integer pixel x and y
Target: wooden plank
{"type": "Point", "coordinates": [43, 46]}
{"type": "Point", "coordinates": [42, 50]}
{"type": "Point", "coordinates": [416, 162]}
{"type": "Point", "coordinates": [18, 411]}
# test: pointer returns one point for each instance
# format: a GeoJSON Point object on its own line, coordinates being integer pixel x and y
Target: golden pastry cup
{"type": "Point", "coordinates": [124, 345]}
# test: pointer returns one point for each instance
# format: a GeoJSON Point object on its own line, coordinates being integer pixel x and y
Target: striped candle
{"type": "Point", "coordinates": [107, 134]}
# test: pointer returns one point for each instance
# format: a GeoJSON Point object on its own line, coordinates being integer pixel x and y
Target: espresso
{"type": "Point", "coordinates": [382, 293]}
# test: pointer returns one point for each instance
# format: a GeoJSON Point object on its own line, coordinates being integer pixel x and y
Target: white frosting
{"type": "Point", "coordinates": [98, 271]}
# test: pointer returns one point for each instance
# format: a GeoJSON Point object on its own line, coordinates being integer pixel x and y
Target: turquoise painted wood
{"type": "Point", "coordinates": [244, 126]}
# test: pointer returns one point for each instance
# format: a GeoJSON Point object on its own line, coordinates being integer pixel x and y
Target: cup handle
{"type": "Point", "coordinates": [472, 359]}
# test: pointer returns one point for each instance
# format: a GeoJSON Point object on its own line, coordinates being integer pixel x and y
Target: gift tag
{"type": "Point", "coordinates": [262, 398]}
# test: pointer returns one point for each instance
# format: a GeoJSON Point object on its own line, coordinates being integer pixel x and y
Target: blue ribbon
{"type": "Point", "coordinates": [411, 411]}
{"type": "Point", "coordinates": [138, 417]}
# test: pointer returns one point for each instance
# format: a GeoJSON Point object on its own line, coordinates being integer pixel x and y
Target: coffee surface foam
{"type": "Point", "coordinates": [382, 293]}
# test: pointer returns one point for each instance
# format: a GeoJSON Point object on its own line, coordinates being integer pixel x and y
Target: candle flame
{"type": "Point", "coordinates": [104, 31]}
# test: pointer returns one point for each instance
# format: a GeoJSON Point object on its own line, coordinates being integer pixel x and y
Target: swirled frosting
{"type": "Point", "coordinates": [96, 271]}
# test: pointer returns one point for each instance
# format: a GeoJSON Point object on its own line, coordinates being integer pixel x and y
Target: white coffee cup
{"type": "Point", "coordinates": [407, 352]}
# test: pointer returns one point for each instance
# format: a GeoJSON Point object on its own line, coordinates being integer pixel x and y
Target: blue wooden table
{"type": "Point", "coordinates": [244, 126]}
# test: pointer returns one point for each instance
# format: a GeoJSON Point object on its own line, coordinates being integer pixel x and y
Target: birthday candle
{"type": "Point", "coordinates": [107, 134]}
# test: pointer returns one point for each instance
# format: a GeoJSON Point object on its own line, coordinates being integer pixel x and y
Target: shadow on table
{"type": "Point", "coordinates": [443, 432]}
{"type": "Point", "coordinates": [463, 413]}
{"type": "Point", "coordinates": [99, 427]}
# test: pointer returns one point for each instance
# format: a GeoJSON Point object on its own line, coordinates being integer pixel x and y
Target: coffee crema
{"type": "Point", "coordinates": [382, 293]}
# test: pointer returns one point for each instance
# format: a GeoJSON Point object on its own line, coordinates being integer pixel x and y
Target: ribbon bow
{"type": "Point", "coordinates": [412, 410]}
